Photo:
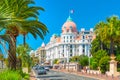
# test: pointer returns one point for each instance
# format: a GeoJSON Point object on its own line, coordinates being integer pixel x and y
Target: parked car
{"type": "Point", "coordinates": [41, 70]}
{"type": "Point", "coordinates": [46, 68]}
{"type": "Point", "coordinates": [50, 67]}
{"type": "Point", "coordinates": [35, 67]}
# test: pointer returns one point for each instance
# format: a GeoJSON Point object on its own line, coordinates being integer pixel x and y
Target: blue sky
{"type": "Point", "coordinates": [87, 13]}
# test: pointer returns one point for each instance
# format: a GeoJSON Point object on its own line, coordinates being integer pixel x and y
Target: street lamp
{"type": "Point", "coordinates": [59, 58]}
{"type": "Point", "coordinates": [68, 56]}
{"type": "Point", "coordinates": [59, 54]}
{"type": "Point", "coordinates": [89, 60]}
{"type": "Point", "coordinates": [89, 55]}
{"type": "Point", "coordinates": [39, 58]}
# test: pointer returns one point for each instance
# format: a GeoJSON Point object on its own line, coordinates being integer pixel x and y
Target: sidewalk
{"type": "Point", "coordinates": [96, 76]}
{"type": "Point", "coordinates": [32, 76]}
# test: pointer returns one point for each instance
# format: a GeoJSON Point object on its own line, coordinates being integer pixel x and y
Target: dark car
{"type": "Point", "coordinates": [41, 70]}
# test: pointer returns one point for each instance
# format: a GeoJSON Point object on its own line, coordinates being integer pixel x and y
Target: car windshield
{"type": "Point", "coordinates": [46, 67]}
{"type": "Point", "coordinates": [41, 67]}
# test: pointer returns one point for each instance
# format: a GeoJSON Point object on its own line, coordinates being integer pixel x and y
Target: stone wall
{"type": "Point", "coordinates": [72, 66]}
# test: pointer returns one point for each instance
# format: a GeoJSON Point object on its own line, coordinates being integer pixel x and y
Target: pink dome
{"type": "Point", "coordinates": [69, 25]}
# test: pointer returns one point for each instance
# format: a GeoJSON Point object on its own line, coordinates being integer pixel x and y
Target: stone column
{"type": "Point", "coordinates": [113, 67]}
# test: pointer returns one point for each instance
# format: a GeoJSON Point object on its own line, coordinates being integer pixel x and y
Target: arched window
{"type": "Point", "coordinates": [67, 30]}
{"type": "Point", "coordinates": [83, 37]}
{"type": "Point", "coordinates": [64, 27]}
{"type": "Point", "coordinates": [70, 27]}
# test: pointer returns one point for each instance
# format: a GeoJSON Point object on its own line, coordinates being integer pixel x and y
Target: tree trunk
{"type": "Point", "coordinates": [111, 47]}
{"type": "Point", "coordinates": [101, 45]}
{"type": "Point", "coordinates": [12, 53]}
{"type": "Point", "coordinates": [24, 39]}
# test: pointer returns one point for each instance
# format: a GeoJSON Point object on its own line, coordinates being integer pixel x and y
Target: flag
{"type": "Point", "coordinates": [72, 11]}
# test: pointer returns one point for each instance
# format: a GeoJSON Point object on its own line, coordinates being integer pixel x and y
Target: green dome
{"type": "Point", "coordinates": [69, 19]}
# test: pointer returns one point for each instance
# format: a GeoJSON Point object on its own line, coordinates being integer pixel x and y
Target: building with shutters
{"type": "Point", "coordinates": [70, 42]}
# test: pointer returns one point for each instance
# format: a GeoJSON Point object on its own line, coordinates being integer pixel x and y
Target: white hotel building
{"type": "Point", "coordinates": [71, 42]}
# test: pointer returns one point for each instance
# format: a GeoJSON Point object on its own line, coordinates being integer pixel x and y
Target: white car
{"type": "Point", "coordinates": [46, 68]}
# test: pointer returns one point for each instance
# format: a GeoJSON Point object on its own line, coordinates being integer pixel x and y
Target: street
{"type": "Point", "coordinates": [55, 75]}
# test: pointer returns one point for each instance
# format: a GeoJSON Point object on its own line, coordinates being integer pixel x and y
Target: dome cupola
{"type": "Point", "coordinates": [69, 26]}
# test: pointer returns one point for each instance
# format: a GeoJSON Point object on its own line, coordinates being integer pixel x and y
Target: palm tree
{"type": "Point", "coordinates": [20, 19]}
{"type": "Point", "coordinates": [113, 32]}
{"type": "Point", "coordinates": [109, 32]}
{"type": "Point", "coordinates": [10, 41]}
{"type": "Point", "coordinates": [23, 54]}
{"type": "Point", "coordinates": [1, 59]}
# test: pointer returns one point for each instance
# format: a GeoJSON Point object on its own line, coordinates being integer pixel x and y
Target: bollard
{"type": "Point", "coordinates": [101, 75]}
{"type": "Point", "coordinates": [106, 75]}
{"type": "Point", "coordinates": [112, 76]}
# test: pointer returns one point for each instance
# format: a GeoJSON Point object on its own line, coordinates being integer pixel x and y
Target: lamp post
{"type": "Point", "coordinates": [68, 56]}
{"type": "Point", "coordinates": [59, 54]}
{"type": "Point", "coordinates": [39, 59]}
{"type": "Point", "coordinates": [89, 60]}
{"type": "Point", "coordinates": [59, 58]}
{"type": "Point", "coordinates": [89, 54]}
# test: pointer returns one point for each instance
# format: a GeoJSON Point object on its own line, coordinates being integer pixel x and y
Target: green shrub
{"type": "Point", "coordinates": [13, 75]}
{"type": "Point", "coordinates": [118, 69]}
{"type": "Point", "coordinates": [83, 60]}
{"type": "Point", "coordinates": [104, 64]}
{"type": "Point", "coordinates": [24, 75]}
{"type": "Point", "coordinates": [55, 61]}
{"type": "Point", "coordinates": [10, 75]}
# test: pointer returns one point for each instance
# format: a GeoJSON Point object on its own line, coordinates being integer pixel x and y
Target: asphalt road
{"type": "Point", "coordinates": [54, 75]}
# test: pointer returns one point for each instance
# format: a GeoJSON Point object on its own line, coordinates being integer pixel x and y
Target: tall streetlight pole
{"type": "Point", "coordinates": [59, 53]}
{"type": "Point", "coordinates": [89, 59]}
{"type": "Point", "coordinates": [89, 54]}
{"type": "Point", "coordinates": [68, 56]}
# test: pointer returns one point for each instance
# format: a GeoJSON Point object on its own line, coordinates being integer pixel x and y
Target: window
{"type": "Point", "coordinates": [83, 37]}
{"type": "Point", "coordinates": [83, 50]}
{"type": "Point", "coordinates": [70, 27]}
{"type": "Point", "coordinates": [83, 40]}
{"type": "Point", "coordinates": [70, 50]}
{"type": "Point", "coordinates": [67, 37]}
{"type": "Point", "coordinates": [70, 37]}
{"type": "Point", "coordinates": [77, 50]}
{"type": "Point", "coordinates": [67, 30]}
{"type": "Point", "coordinates": [83, 46]}
{"type": "Point", "coordinates": [64, 37]}
{"type": "Point", "coordinates": [64, 27]}
{"type": "Point", "coordinates": [63, 55]}
{"type": "Point", "coordinates": [70, 46]}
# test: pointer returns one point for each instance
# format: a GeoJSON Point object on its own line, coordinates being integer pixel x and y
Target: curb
{"type": "Point", "coordinates": [78, 74]}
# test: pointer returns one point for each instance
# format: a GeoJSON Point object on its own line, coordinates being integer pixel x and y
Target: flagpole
{"type": "Point", "coordinates": [71, 12]}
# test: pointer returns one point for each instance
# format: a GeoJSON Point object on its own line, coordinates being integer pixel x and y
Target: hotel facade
{"type": "Point", "coordinates": [69, 43]}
